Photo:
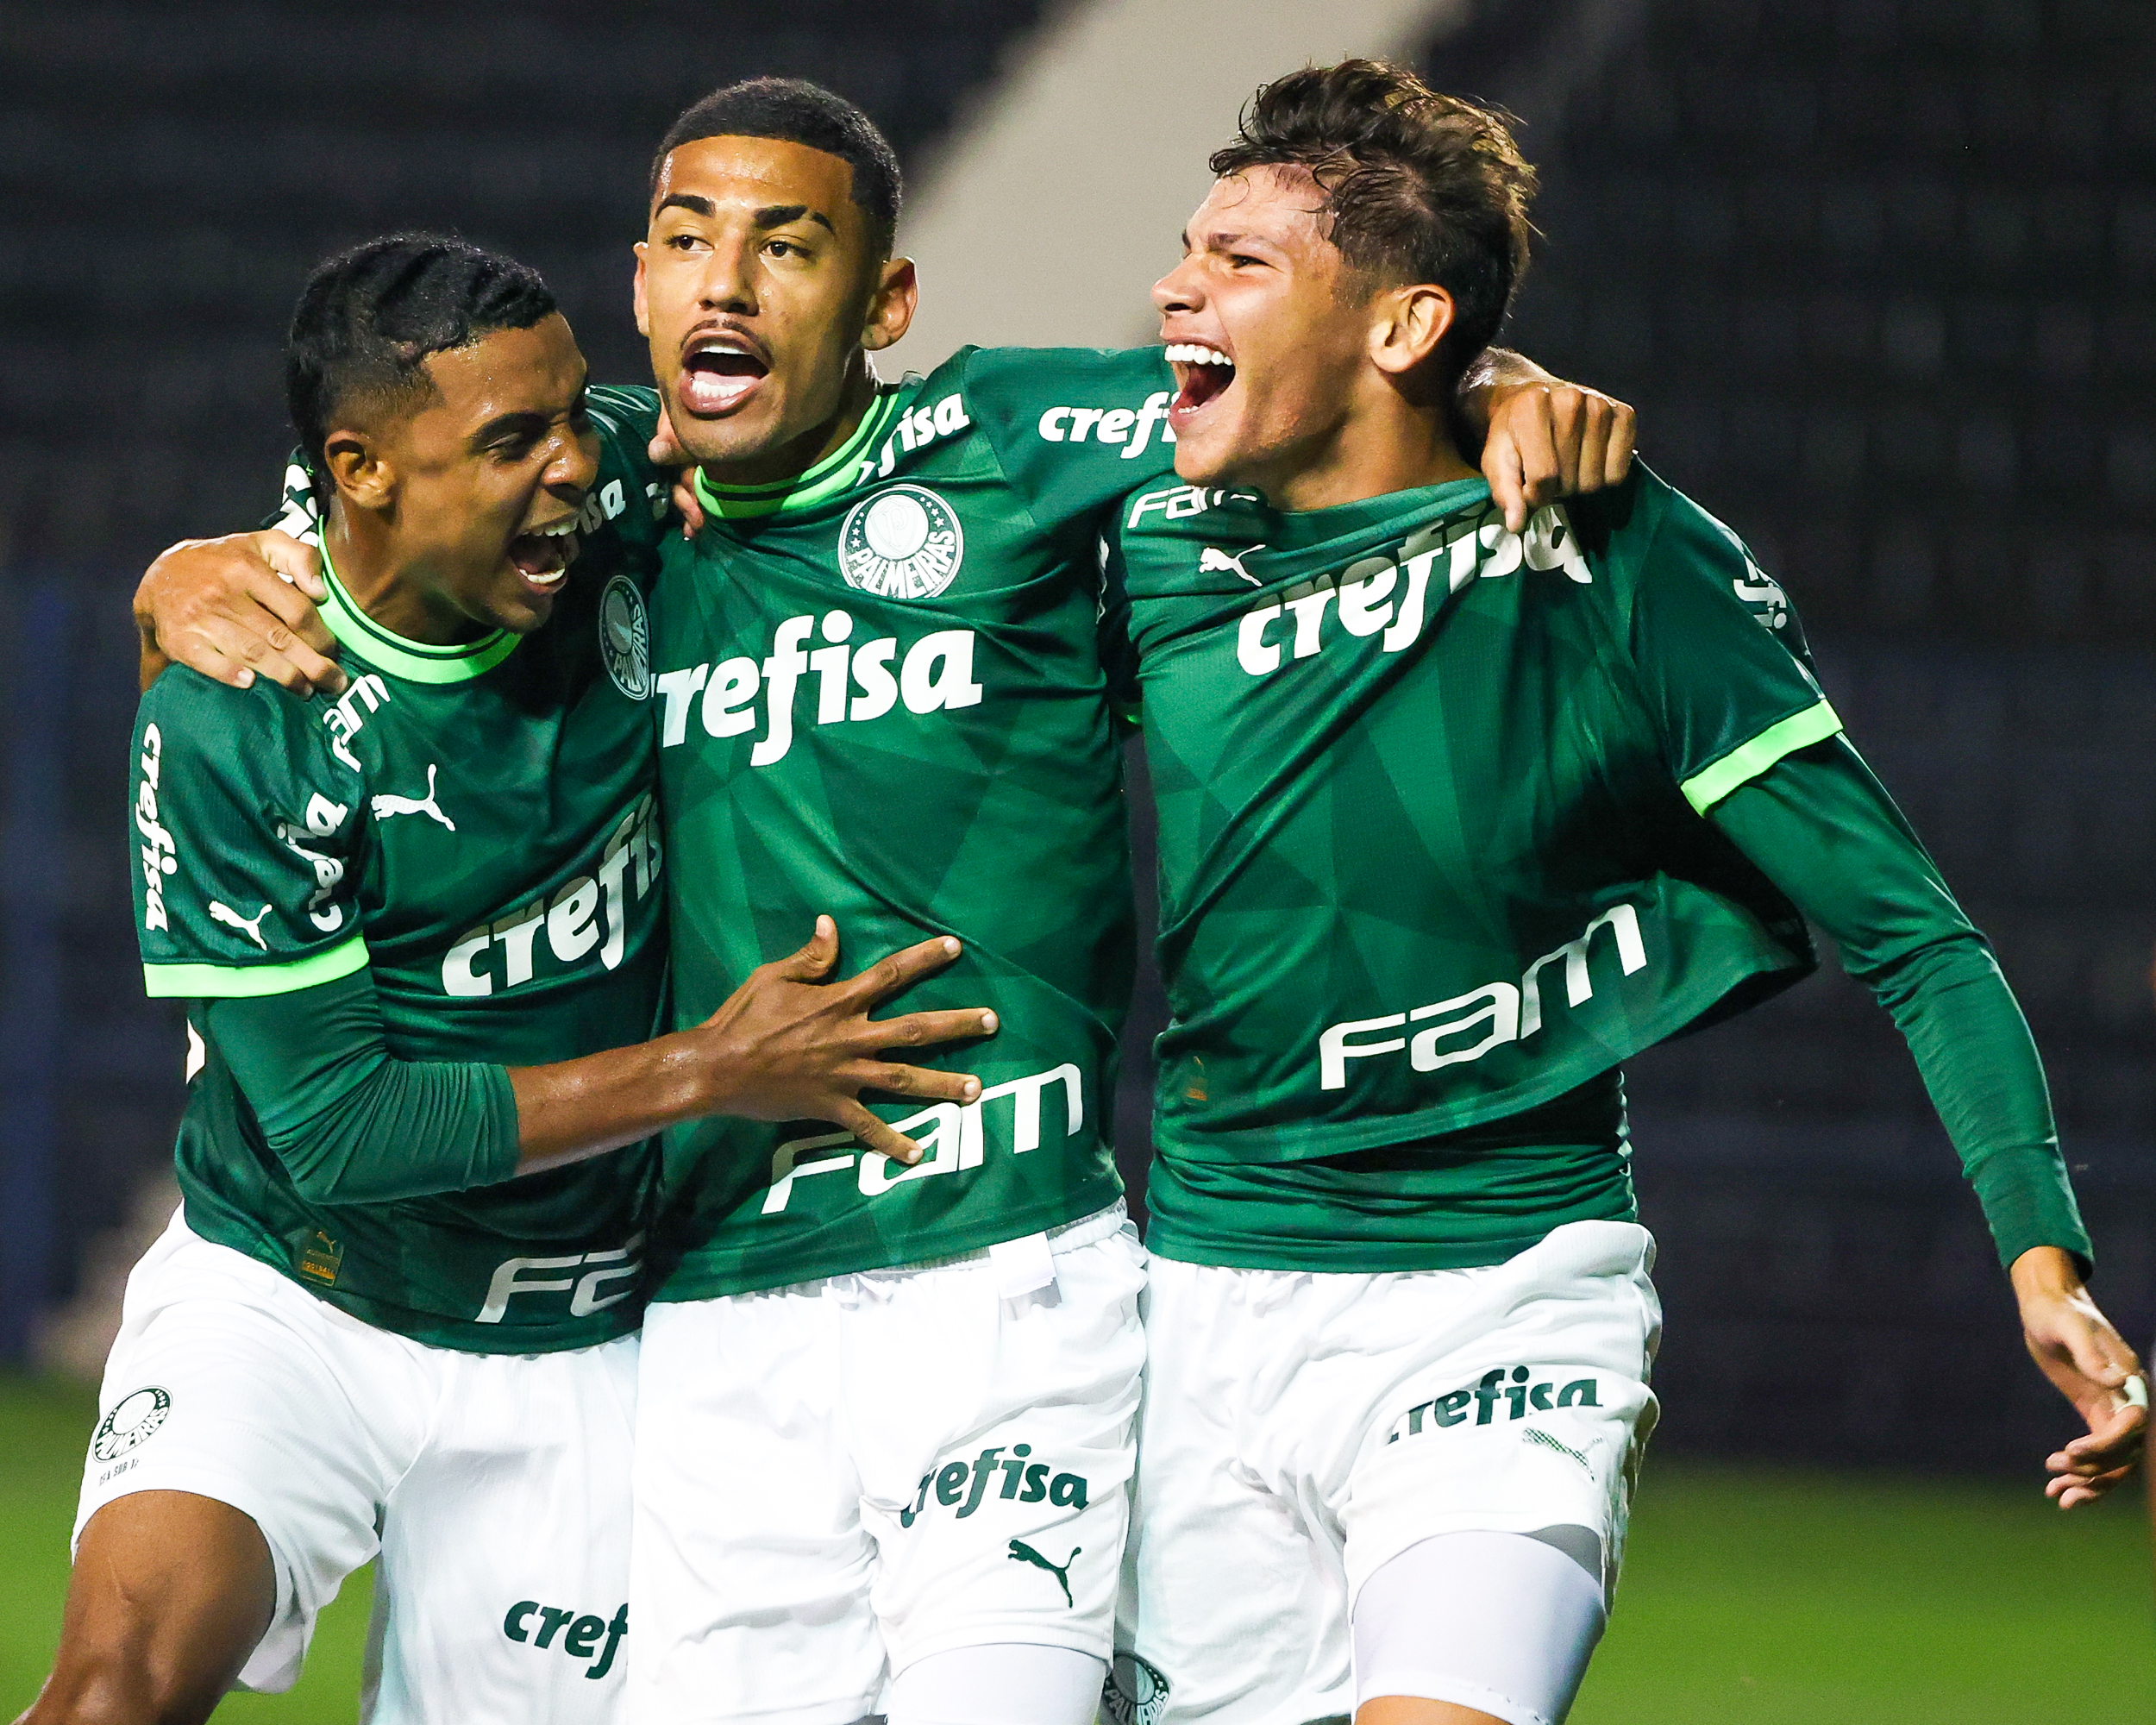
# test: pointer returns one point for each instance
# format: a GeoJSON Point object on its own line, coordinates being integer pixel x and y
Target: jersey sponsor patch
{"type": "Point", "coordinates": [903, 542]}
{"type": "Point", "coordinates": [159, 851]}
{"type": "Point", "coordinates": [132, 1422]}
{"type": "Point", "coordinates": [625, 637]}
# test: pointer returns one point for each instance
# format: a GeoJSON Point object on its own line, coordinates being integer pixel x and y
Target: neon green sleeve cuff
{"type": "Point", "coordinates": [247, 982]}
{"type": "Point", "coordinates": [1746, 761]}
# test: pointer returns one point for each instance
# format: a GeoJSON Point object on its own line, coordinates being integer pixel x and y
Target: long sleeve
{"type": "Point", "coordinates": [351, 1124]}
{"type": "Point", "coordinates": [1825, 830]}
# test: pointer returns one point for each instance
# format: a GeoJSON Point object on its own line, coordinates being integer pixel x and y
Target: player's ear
{"type": "Point", "coordinates": [644, 310]}
{"type": "Point", "coordinates": [1407, 324]}
{"type": "Point", "coordinates": [358, 469]}
{"type": "Point", "coordinates": [897, 291]}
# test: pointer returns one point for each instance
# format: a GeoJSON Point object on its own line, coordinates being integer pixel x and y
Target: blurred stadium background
{"type": "Point", "coordinates": [1878, 274]}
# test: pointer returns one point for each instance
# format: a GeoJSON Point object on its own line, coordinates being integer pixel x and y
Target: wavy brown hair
{"type": "Point", "coordinates": [1419, 186]}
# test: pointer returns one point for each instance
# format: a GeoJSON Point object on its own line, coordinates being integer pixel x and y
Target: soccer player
{"type": "Point", "coordinates": [1453, 819]}
{"type": "Point", "coordinates": [412, 926]}
{"type": "Point", "coordinates": [885, 1429]}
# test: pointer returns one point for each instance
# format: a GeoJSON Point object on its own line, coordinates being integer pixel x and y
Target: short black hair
{"type": "Point", "coordinates": [368, 318]}
{"type": "Point", "coordinates": [1419, 186]}
{"type": "Point", "coordinates": [795, 111]}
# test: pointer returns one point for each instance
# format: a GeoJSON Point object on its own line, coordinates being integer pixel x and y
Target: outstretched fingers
{"type": "Point", "coordinates": [896, 972]}
{"type": "Point", "coordinates": [875, 1135]}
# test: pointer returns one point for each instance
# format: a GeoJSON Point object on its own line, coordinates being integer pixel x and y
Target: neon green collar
{"type": "Point", "coordinates": [830, 476]}
{"type": "Point", "coordinates": [414, 661]}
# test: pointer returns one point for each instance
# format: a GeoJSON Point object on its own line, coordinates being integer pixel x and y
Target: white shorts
{"type": "Point", "coordinates": [494, 1488]}
{"type": "Point", "coordinates": [1301, 1430]}
{"type": "Point", "coordinates": [839, 1479]}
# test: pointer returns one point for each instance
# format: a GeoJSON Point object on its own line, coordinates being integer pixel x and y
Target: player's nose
{"type": "Point", "coordinates": [728, 283]}
{"type": "Point", "coordinates": [1179, 290]}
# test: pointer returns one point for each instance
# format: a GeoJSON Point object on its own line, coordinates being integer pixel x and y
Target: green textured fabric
{"type": "Point", "coordinates": [885, 701]}
{"type": "Point", "coordinates": [493, 840]}
{"type": "Point", "coordinates": [1402, 756]}
{"type": "Point", "coordinates": [1424, 861]}
{"type": "Point", "coordinates": [352, 1124]}
{"type": "Point", "coordinates": [1473, 1197]}
{"type": "Point", "coordinates": [1830, 836]}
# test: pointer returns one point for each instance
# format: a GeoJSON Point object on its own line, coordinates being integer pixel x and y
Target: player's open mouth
{"type": "Point", "coordinates": [542, 556]}
{"type": "Point", "coordinates": [719, 373]}
{"type": "Point", "coordinates": [1203, 372]}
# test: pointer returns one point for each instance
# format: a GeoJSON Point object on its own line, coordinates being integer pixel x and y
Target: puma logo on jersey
{"type": "Point", "coordinates": [1495, 1013]}
{"type": "Point", "coordinates": [1022, 1553]}
{"type": "Point", "coordinates": [853, 684]}
{"type": "Point", "coordinates": [965, 1486]}
{"type": "Point", "coordinates": [250, 926]}
{"type": "Point", "coordinates": [385, 806]}
{"type": "Point", "coordinates": [1214, 561]}
{"type": "Point", "coordinates": [1389, 596]}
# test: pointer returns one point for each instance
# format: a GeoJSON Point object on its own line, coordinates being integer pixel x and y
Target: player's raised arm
{"type": "Point", "coordinates": [1757, 749]}
{"type": "Point", "coordinates": [235, 608]}
{"type": "Point", "coordinates": [1825, 831]}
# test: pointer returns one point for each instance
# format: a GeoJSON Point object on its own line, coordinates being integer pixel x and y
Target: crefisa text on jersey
{"type": "Point", "coordinates": [1388, 594]}
{"type": "Point", "coordinates": [853, 684]}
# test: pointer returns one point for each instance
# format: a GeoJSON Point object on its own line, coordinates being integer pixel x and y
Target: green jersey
{"type": "Point", "coordinates": [881, 697]}
{"type": "Point", "coordinates": [474, 827]}
{"type": "Point", "coordinates": [1433, 862]}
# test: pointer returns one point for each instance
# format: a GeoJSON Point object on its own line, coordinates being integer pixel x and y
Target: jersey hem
{"type": "Point", "coordinates": [1358, 1258]}
{"type": "Point", "coordinates": [1747, 761]}
{"type": "Point", "coordinates": [428, 1329]}
{"type": "Point", "coordinates": [248, 982]}
{"type": "Point", "coordinates": [686, 1281]}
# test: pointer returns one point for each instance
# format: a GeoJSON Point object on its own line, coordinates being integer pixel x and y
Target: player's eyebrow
{"type": "Point", "coordinates": [688, 201]}
{"type": "Point", "coordinates": [778, 215]}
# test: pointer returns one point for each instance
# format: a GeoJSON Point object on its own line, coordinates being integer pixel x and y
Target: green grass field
{"type": "Point", "coordinates": [1753, 1596]}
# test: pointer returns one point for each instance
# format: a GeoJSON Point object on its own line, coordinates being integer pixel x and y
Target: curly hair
{"type": "Point", "coordinates": [1419, 186]}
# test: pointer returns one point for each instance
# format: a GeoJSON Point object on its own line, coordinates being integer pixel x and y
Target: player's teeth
{"type": "Point", "coordinates": [1191, 353]}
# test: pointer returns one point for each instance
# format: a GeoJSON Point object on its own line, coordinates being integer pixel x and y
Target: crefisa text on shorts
{"type": "Point", "coordinates": [1520, 1396]}
{"type": "Point", "coordinates": [964, 1486]}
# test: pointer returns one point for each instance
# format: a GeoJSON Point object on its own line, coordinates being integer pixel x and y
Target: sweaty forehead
{"type": "Point", "coordinates": [757, 172]}
{"type": "Point", "coordinates": [507, 371]}
{"type": "Point", "coordinates": [1281, 202]}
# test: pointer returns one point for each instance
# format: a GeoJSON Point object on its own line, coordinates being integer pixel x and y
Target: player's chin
{"type": "Point", "coordinates": [1206, 457]}
{"type": "Point", "coordinates": [745, 433]}
{"type": "Point", "coordinates": [523, 599]}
